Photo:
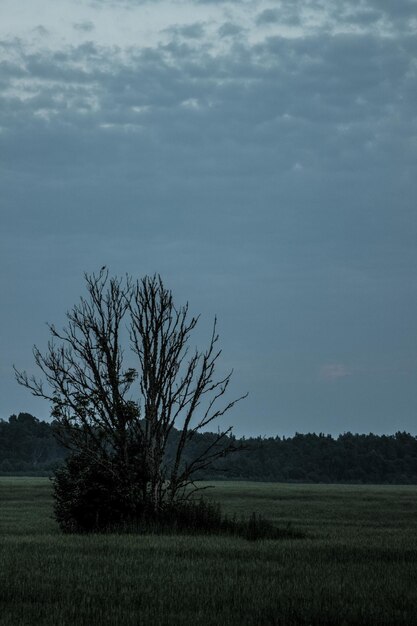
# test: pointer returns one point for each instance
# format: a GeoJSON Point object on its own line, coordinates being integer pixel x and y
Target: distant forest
{"type": "Point", "coordinates": [28, 447]}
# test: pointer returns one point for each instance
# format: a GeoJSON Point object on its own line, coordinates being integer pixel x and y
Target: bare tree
{"type": "Point", "coordinates": [122, 411]}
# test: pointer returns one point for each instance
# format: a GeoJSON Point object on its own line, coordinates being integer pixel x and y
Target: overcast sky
{"type": "Point", "coordinates": [260, 155]}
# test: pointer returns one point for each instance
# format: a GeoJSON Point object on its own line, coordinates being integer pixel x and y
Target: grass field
{"type": "Point", "coordinates": [356, 565]}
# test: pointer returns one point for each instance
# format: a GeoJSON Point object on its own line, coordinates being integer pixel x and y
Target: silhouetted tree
{"type": "Point", "coordinates": [116, 413]}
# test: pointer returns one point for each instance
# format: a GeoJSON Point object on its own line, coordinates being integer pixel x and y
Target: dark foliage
{"type": "Point", "coordinates": [92, 497]}
{"type": "Point", "coordinates": [28, 446]}
{"type": "Point", "coordinates": [88, 499]}
{"type": "Point", "coordinates": [203, 516]}
{"type": "Point", "coordinates": [311, 458]}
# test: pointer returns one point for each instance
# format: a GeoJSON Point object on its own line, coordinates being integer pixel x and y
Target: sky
{"type": "Point", "coordinates": [260, 155]}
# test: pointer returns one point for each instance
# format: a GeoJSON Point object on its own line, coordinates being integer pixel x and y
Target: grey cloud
{"type": "Point", "coordinates": [287, 14]}
{"type": "Point", "coordinates": [365, 17]}
{"type": "Point", "coordinates": [370, 16]}
{"type": "Point", "coordinates": [396, 16]}
{"type": "Point", "coordinates": [188, 31]}
{"type": "Point", "coordinates": [200, 179]}
{"type": "Point", "coordinates": [282, 90]}
{"type": "Point", "coordinates": [225, 2]}
{"type": "Point", "coordinates": [41, 31]}
{"type": "Point", "coordinates": [11, 70]}
{"type": "Point", "coordinates": [290, 160]}
{"type": "Point", "coordinates": [230, 29]}
{"type": "Point", "coordinates": [268, 16]}
{"type": "Point", "coordinates": [403, 10]}
{"type": "Point", "coordinates": [283, 109]}
{"type": "Point", "coordinates": [120, 4]}
{"type": "Point", "coordinates": [132, 3]}
{"type": "Point", "coordinates": [85, 27]}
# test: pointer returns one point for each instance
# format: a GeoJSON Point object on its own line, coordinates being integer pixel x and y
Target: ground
{"type": "Point", "coordinates": [356, 565]}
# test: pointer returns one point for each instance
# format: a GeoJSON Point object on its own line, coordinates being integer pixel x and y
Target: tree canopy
{"type": "Point", "coordinates": [121, 377]}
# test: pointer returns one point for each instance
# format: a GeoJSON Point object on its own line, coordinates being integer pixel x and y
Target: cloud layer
{"type": "Point", "coordinates": [262, 155]}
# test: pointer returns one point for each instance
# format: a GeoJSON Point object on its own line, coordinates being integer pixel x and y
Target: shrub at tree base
{"type": "Point", "coordinates": [89, 498]}
{"type": "Point", "coordinates": [92, 497]}
{"type": "Point", "coordinates": [204, 517]}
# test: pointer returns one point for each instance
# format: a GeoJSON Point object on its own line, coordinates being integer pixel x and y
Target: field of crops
{"type": "Point", "coordinates": [356, 565]}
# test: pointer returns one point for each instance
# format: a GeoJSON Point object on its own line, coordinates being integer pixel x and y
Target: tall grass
{"type": "Point", "coordinates": [357, 564]}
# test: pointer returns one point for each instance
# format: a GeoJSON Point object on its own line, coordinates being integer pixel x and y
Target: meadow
{"type": "Point", "coordinates": [357, 562]}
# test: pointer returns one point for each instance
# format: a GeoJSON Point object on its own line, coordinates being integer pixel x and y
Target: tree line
{"type": "Point", "coordinates": [29, 446]}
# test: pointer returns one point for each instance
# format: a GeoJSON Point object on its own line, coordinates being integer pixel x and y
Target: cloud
{"type": "Point", "coordinates": [188, 31]}
{"type": "Point", "coordinates": [220, 2]}
{"type": "Point", "coordinates": [286, 14]}
{"type": "Point", "coordinates": [404, 11]}
{"type": "Point", "coordinates": [41, 31]}
{"type": "Point", "coordinates": [268, 172]}
{"type": "Point", "coordinates": [85, 27]}
{"type": "Point", "coordinates": [230, 29]}
{"type": "Point", "coordinates": [382, 15]}
{"type": "Point", "coordinates": [334, 371]}
{"type": "Point", "coordinates": [318, 105]}
{"type": "Point", "coordinates": [365, 17]}
{"type": "Point", "coordinates": [268, 16]}
{"type": "Point", "coordinates": [291, 119]}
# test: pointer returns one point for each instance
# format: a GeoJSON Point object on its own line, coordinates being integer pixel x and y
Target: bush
{"type": "Point", "coordinates": [205, 517]}
{"type": "Point", "coordinates": [92, 497]}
